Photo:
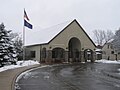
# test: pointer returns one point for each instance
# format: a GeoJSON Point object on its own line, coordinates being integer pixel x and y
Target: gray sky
{"type": "Point", "coordinates": [91, 14]}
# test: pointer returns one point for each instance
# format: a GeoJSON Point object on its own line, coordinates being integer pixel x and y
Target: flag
{"type": "Point", "coordinates": [26, 19]}
{"type": "Point", "coordinates": [25, 15]}
{"type": "Point", "coordinates": [27, 24]}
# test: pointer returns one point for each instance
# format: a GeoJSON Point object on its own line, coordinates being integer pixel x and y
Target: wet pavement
{"type": "Point", "coordinates": [80, 76]}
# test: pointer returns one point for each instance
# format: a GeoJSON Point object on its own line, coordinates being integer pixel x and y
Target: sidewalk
{"type": "Point", "coordinates": [7, 78]}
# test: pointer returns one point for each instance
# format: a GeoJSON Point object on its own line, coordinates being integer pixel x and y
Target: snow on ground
{"type": "Point", "coordinates": [31, 62]}
{"type": "Point", "coordinates": [108, 61]}
{"type": "Point", "coordinates": [19, 64]}
{"type": "Point", "coordinates": [119, 70]}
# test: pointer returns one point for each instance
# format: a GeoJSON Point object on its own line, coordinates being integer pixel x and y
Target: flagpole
{"type": "Point", "coordinates": [23, 42]}
{"type": "Point", "coordinates": [23, 38]}
{"type": "Point", "coordinates": [27, 25]}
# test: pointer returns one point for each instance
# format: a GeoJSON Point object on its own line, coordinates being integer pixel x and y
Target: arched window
{"type": "Point", "coordinates": [58, 53]}
{"type": "Point", "coordinates": [88, 54]}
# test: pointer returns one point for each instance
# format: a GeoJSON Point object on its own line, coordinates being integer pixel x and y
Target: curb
{"type": "Point", "coordinates": [15, 77]}
{"type": "Point", "coordinates": [34, 66]}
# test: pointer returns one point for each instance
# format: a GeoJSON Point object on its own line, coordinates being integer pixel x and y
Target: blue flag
{"type": "Point", "coordinates": [27, 24]}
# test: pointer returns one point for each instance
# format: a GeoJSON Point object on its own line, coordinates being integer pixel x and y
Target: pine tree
{"type": "Point", "coordinates": [116, 41]}
{"type": "Point", "coordinates": [7, 52]}
{"type": "Point", "coordinates": [17, 42]}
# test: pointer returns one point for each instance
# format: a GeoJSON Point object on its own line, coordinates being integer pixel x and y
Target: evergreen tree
{"type": "Point", "coordinates": [116, 41]}
{"type": "Point", "coordinates": [7, 52]}
{"type": "Point", "coordinates": [17, 42]}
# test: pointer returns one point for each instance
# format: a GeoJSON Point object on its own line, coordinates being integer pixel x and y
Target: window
{"type": "Point", "coordinates": [112, 52]}
{"type": "Point", "coordinates": [118, 52]}
{"type": "Point", "coordinates": [111, 47]}
{"type": "Point", "coordinates": [58, 53]}
{"type": "Point", "coordinates": [108, 46]}
{"type": "Point", "coordinates": [32, 54]}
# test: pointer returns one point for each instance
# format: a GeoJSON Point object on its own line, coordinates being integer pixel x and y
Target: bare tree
{"type": "Point", "coordinates": [102, 36]}
{"type": "Point", "coordinates": [99, 36]}
{"type": "Point", "coordinates": [109, 35]}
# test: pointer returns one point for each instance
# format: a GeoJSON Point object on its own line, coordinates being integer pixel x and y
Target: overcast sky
{"type": "Point", "coordinates": [91, 14]}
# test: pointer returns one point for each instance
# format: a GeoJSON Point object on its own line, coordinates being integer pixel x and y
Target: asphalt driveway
{"type": "Point", "coordinates": [88, 76]}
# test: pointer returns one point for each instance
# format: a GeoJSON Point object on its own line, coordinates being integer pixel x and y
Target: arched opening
{"type": "Point", "coordinates": [74, 49]}
{"type": "Point", "coordinates": [88, 55]}
{"type": "Point", "coordinates": [58, 54]}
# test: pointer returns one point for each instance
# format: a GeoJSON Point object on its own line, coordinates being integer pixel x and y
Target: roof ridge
{"type": "Point", "coordinates": [58, 24]}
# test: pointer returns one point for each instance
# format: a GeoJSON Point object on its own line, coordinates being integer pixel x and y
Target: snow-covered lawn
{"type": "Point", "coordinates": [19, 64]}
{"type": "Point", "coordinates": [108, 61]}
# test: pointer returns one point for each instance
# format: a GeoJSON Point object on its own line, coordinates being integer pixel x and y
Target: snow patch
{"type": "Point", "coordinates": [98, 50]}
{"type": "Point", "coordinates": [119, 71]}
{"type": "Point", "coordinates": [19, 64]}
{"type": "Point", "coordinates": [82, 62]}
{"type": "Point", "coordinates": [108, 61]}
{"type": "Point", "coordinates": [111, 40]}
{"type": "Point", "coordinates": [27, 63]}
{"type": "Point", "coordinates": [46, 77]}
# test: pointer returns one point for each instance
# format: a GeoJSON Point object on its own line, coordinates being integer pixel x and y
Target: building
{"type": "Point", "coordinates": [98, 52]}
{"type": "Point", "coordinates": [108, 51]}
{"type": "Point", "coordinates": [65, 42]}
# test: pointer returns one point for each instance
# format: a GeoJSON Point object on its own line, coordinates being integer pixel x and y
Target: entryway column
{"type": "Point", "coordinates": [66, 56]}
{"type": "Point", "coordinates": [49, 56]}
{"type": "Point", "coordinates": [94, 57]}
{"type": "Point", "coordinates": [79, 59]}
{"type": "Point", "coordinates": [82, 56]}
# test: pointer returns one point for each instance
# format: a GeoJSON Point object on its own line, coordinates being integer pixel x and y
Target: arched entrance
{"type": "Point", "coordinates": [88, 55]}
{"type": "Point", "coordinates": [58, 54]}
{"type": "Point", "coordinates": [74, 47]}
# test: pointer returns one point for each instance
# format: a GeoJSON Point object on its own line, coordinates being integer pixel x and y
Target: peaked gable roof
{"type": "Point", "coordinates": [108, 42]}
{"type": "Point", "coordinates": [45, 36]}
